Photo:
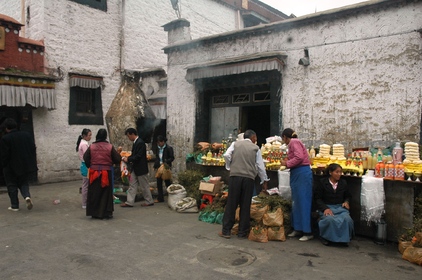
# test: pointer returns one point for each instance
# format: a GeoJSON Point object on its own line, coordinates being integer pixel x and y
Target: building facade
{"type": "Point", "coordinates": [88, 47]}
{"type": "Point", "coordinates": [349, 75]}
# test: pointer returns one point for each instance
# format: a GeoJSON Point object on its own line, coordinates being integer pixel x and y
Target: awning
{"type": "Point", "coordinates": [85, 81]}
{"type": "Point", "coordinates": [18, 91]}
{"type": "Point", "coordinates": [238, 65]}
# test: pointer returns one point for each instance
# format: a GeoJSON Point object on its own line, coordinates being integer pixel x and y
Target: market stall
{"type": "Point", "coordinates": [391, 205]}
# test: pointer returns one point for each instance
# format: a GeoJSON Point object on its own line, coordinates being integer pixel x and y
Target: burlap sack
{"type": "Point", "coordinates": [413, 255]}
{"type": "Point", "coordinates": [403, 245]}
{"type": "Point", "coordinates": [273, 219]}
{"type": "Point", "coordinates": [276, 234]}
{"type": "Point", "coordinates": [258, 234]}
{"type": "Point", "coordinates": [257, 211]}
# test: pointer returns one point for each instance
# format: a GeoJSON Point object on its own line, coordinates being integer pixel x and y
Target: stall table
{"type": "Point", "coordinates": [399, 200]}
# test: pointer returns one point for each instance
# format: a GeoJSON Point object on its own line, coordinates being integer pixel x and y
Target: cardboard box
{"type": "Point", "coordinates": [210, 188]}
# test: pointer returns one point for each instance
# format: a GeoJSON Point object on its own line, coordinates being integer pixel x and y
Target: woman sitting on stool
{"type": "Point", "coordinates": [332, 199]}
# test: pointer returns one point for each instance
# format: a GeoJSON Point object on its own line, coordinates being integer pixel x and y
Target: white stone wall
{"type": "Point", "coordinates": [144, 36]}
{"type": "Point", "coordinates": [77, 39]}
{"type": "Point", "coordinates": [82, 40]}
{"type": "Point", "coordinates": [362, 88]}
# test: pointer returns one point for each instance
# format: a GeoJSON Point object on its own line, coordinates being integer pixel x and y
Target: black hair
{"type": "Point", "coordinates": [84, 132]}
{"type": "Point", "coordinates": [131, 130]}
{"type": "Point", "coordinates": [248, 134]}
{"type": "Point", "coordinates": [332, 167]}
{"type": "Point", "coordinates": [101, 135]}
{"type": "Point", "coordinates": [289, 133]}
{"type": "Point", "coordinates": [10, 124]}
{"type": "Point", "coordinates": [161, 138]}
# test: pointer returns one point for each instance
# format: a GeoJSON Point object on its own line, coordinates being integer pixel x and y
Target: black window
{"type": "Point", "coordinates": [85, 105]}
{"type": "Point", "coordinates": [96, 4]}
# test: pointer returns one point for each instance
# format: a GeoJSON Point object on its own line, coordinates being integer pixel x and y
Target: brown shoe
{"type": "Point", "coordinates": [221, 234]}
{"type": "Point", "coordinates": [125, 205]}
{"type": "Point", "coordinates": [147, 204]}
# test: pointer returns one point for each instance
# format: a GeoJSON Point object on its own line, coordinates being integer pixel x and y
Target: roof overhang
{"type": "Point", "coordinates": [267, 61]}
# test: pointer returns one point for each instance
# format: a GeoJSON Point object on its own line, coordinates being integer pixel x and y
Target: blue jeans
{"type": "Point", "coordinates": [14, 183]}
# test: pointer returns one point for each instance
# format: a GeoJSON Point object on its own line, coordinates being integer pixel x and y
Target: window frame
{"type": "Point", "coordinates": [96, 4]}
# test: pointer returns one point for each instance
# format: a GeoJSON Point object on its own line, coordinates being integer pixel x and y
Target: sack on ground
{"type": "Point", "coordinates": [257, 211]}
{"type": "Point", "coordinates": [219, 218]}
{"type": "Point", "coordinates": [258, 234]}
{"type": "Point", "coordinates": [276, 234]}
{"type": "Point", "coordinates": [273, 219]}
{"type": "Point", "coordinates": [403, 245]}
{"type": "Point", "coordinates": [413, 255]}
{"type": "Point", "coordinates": [187, 205]}
{"type": "Point", "coordinates": [176, 192]}
{"type": "Point", "coordinates": [211, 217]}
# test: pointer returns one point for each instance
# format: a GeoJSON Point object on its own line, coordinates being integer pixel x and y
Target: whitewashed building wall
{"type": "Point", "coordinates": [362, 88]}
{"type": "Point", "coordinates": [84, 40]}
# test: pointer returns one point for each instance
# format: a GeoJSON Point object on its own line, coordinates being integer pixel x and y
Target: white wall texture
{"type": "Point", "coordinates": [144, 36]}
{"type": "Point", "coordinates": [84, 40]}
{"type": "Point", "coordinates": [362, 88]}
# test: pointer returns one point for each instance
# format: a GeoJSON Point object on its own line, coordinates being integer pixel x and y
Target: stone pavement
{"type": "Point", "coordinates": [60, 242]}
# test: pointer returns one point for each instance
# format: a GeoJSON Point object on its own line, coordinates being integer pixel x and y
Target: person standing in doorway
{"type": "Point", "coordinates": [18, 161]}
{"type": "Point", "coordinates": [164, 155]}
{"type": "Point", "coordinates": [244, 160]}
{"type": "Point", "coordinates": [139, 170]}
{"type": "Point", "coordinates": [81, 147]}
{"type": "Point", "coordinates": [301, 181]}
{"type": "Point", "coordinates": [99, 158]}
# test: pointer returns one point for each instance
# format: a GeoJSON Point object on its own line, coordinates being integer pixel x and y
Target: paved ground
{"type": "Point", "coordinates": [60, 242]}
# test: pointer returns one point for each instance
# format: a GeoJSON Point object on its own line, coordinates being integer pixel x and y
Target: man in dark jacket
{"type": "Point", "coordinates": [18, 161]}
{"type": "Point", "coordinates": [139, 170]}
{"type": "Point", "coordinates": [164, 155]}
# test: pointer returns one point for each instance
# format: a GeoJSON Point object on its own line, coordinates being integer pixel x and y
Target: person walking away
{"type": "Point", "coordinates": [139, 171]}
{"type": "Point", "coordinates": [332, 198]}
{"type": "Point", "coordinates": [99, 158]}
{"type": "Point", "coordinates": [301, 181]}
{"type": "Point", "coordinates": [81, 147]}
{"type": "Point", "coordinates": [244, 160]}
{"type": "Point", "coordinates": [18, 161]}
{"type": "Point", "coordinates": [164, 155]}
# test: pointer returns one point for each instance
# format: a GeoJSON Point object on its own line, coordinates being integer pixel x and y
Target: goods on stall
{"type": "Point", "coordinates": [276, 234]}
{"type": "Point", "coordinates": [398, 153]}
{"type": "Point", "coordinates": [338, 150]}
{"type": "Point", "coordinates": [324, 150]}
{"type": "Point", "coordinates": [258, 234]}
{"type": "Point", "coordinates": [187, 205]}
{"type": "Point", "coordinates": [412, 163]}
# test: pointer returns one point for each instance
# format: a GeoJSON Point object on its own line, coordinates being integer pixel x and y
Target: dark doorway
{"type": "Point", "coordinates": [23, 116]}
{"type": "Point", "coordinates": [257, 118]}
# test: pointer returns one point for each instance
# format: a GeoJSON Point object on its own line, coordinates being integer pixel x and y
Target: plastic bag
{"type": "Point", "coordinates": [219, 218]}
{"type": "Point", "coordinates": [284, 184]}
{"type": "Point", "coordinates": [211, 217]}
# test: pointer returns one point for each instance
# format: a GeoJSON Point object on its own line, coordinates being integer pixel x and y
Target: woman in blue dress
{"type": "Point", "coordinates": [332, 199]}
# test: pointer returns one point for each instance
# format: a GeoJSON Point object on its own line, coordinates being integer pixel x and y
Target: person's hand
{"type": "Point", "coordinates": [328, 212]}
{"type": "Point", "coordinates": [265, 186]}
{"type": "Point", "coordinates": [119, 149]}
{"type": "Point", "coordinates": [124, 159]}
{"type": "Point", "coordinates": [283, 162]}
{"type": "Point", "coordinates": [346, 205]}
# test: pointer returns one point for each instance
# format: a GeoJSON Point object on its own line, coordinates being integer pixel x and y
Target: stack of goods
{"type": "Point", "coordinates": [322, 158]}
{"type": "Point", "coordinates": [324, 151]}
{"type": "Point", "coordinates": [412, 163]}
{"type": "Point", "coordinates": [338, 151]}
